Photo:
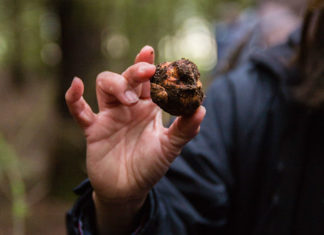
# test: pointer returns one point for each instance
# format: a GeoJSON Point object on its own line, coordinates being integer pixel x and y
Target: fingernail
{"type": "Point", "coordinates": [146, 47]}
{"type": "Point", "coordinates": [131, 97]}
{"type": "Point", "coordinates": [74, 79]}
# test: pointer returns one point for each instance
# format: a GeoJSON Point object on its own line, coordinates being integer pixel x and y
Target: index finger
{"type": "Point", "coordinates": [139, 73]}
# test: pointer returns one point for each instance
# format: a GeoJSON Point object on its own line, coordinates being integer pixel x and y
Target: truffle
{"type": "Point", "coordinates": [176, 87]}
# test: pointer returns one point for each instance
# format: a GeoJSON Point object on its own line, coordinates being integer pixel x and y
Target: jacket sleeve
{"type": "Point", "coordinates": [80, 220]}
{"type": "Point", "coordinates": [194, 196]}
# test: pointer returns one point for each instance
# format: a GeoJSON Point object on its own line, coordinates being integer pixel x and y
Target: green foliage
{"type": "Point", "coordinates": [10, 167]}
{"type": "Point", "coordinates": [31, 43]}
{"type": "Point", "coordinates": [8, 158]}
{"type": "Point", "coordinates": [142, 22]}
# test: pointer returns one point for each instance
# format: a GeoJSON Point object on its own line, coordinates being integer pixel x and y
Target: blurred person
{"type": "Point", "coordinates": [255, 30]}
{"type": "Point", "coordinates": [255, 167]}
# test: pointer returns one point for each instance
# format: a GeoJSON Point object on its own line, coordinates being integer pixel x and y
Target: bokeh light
{"type": "Point", "coordinates": [193, 40]}
{"type": "Point", "coordinates": [116, 45]}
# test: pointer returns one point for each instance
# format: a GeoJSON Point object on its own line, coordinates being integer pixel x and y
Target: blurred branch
{"type": "Point", "coordinates": [9, 165]}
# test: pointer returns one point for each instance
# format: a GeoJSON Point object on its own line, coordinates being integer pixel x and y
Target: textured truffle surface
{"type": "Point", "coordinates": [176, 87]}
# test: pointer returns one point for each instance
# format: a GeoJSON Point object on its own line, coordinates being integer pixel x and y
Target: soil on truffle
{"type": "Point", "coordinates": [176, 87]}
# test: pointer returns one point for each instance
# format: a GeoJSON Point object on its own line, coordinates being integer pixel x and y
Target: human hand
{"type": "Point", "coordinates": [128, 148]}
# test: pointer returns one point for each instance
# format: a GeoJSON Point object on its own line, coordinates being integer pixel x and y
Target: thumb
{"type": "Point", "coordinates": [183, 129]}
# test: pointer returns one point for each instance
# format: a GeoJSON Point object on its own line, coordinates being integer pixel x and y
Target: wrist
{"type": "Point", "coordinates": [117, 217]}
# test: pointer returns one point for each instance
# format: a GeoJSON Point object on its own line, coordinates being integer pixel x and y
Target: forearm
{"type": "Point", "coordinates": [118, 217]}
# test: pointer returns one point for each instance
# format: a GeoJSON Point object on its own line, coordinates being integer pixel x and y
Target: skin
{"type": "Point", "coordinates": [128, 148]}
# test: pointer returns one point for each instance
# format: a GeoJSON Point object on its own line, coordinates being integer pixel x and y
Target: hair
{"type": "Point", "coordinates": [310, 57]}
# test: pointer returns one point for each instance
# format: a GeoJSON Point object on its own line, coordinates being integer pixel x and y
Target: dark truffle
{"type": "Point", "coordinates": [176, 87]}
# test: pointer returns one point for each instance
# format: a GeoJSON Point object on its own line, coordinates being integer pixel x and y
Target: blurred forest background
{"type": "Point", "coordinates": [43, 45]}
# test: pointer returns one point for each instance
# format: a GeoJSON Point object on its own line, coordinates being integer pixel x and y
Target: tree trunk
{"type": "Point", "coordinates": [81, 53]}
{"type": "Point", "coordinates": [16, 65]}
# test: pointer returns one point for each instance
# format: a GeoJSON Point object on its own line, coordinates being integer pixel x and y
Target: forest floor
{"type": "Point", "coordinates": [44, 218]}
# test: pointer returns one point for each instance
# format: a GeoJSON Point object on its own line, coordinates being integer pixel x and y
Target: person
{"type": "Point", "coordinates": [255, 29]}
{"type": "Point", "coordinates": [255, 167]}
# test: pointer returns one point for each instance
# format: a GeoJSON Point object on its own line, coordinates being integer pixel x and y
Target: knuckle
{"type": "Point", "coordinates": [137, 71]}
{"type": "Point", "coordinates": [102, 76]}
{"type": "Point", "coordinates": [110, 82]}
{"type": "Point", "coordinates": [136, 67]}
{"type": "Point", "coordinates": [141, 67]}
{"type": "Point", "coordinates": [130, 70]}
{"type": "Point", "coordinates": [142, 64]}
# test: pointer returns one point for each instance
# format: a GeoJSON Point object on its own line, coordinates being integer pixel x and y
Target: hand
{"type": "Point", "coordinates": [128, 149]}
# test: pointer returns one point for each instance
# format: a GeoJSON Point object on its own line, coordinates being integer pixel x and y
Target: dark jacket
{"type": "Point", "coordinates": [256, 167]}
